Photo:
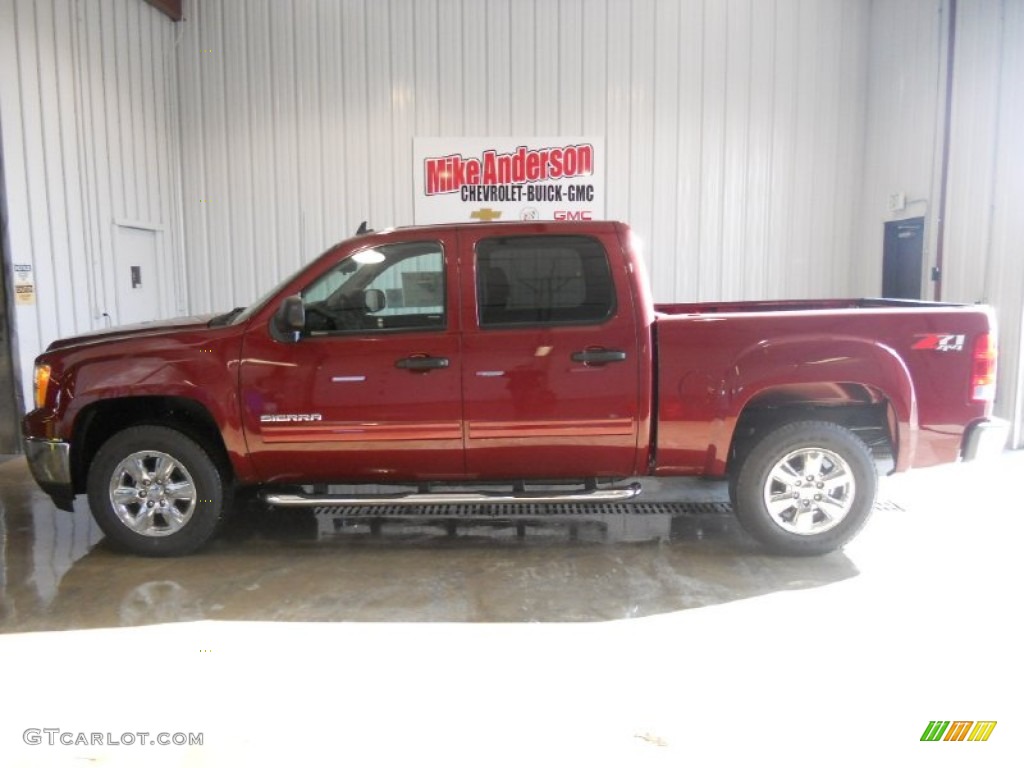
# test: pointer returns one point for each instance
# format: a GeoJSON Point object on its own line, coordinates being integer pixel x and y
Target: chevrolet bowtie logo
{"type": "Point", "coordinates": [485, 214]}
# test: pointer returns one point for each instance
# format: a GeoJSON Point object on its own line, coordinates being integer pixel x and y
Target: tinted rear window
{"type": "Point", "coordinates": [543, 280]}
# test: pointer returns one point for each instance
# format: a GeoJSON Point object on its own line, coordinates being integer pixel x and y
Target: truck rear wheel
{"type": "Point", "coordinates": [155, 491]}
{"type": "Point", "coordinates": [805, 488]}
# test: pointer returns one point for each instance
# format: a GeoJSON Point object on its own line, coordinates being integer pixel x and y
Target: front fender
{"type": "Point", "coordinates": [200, 367]}
{"type": "Point", "coordinates": [151, 376]}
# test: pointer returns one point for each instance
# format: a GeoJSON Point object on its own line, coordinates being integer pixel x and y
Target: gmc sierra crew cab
{"type": "Point", "coordinates": [507, 361]}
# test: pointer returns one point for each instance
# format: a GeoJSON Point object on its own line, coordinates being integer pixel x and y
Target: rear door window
{"type": "Point", "coordinates": [543, 280]}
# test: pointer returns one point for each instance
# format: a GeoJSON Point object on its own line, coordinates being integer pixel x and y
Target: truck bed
{"type": "Point", "coordinates": [716, 360]}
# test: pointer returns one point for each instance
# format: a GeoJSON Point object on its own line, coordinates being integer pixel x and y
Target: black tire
{"type": "Point", "coordinates": [193, 492]}
{"type": "Point", "coordinates": [805, 518]}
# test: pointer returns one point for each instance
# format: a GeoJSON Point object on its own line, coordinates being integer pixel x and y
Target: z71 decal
{"type": "Point", "coordinates": [940, 342]}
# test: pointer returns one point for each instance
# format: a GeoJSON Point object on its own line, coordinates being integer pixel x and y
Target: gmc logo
{"type": "Point", "coordinates": [574, 216]}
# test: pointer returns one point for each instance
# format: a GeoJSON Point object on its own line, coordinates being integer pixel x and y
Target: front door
{"type": "Point", "coordinates": [550, 370]}
{"type": "Point", "coordinates": [371, 390]}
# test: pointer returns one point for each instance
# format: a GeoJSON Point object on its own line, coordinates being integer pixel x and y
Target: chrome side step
{"type": "Point", "coordinates": [621, 493]}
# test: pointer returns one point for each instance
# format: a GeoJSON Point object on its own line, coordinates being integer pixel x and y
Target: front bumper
{"type": "Point", "coordinates": [985, 438]}
{"type": "Point", "coordinates": [50, 462]}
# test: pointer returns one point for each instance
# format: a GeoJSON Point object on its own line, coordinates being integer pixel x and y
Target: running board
{"type": "Point", "coordinates": [481, 497]}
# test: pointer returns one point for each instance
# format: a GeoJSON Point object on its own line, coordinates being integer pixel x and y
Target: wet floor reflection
{"type": "Point", "coordinates": [291, 565]}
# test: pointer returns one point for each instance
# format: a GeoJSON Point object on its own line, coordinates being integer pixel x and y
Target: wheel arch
{"type": "Point", "coordinates": [99, 421]}
{"type": "Point", "coordinates": [862, 385]}
{"type": "Point", "coordinates": [865, 411]}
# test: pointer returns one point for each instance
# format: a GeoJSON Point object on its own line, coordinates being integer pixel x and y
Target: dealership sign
{"type": "Point", "coordinates": [508, 179]}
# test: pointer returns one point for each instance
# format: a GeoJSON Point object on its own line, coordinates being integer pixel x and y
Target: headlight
{"type": "Point", "coordinates": [41, 384]}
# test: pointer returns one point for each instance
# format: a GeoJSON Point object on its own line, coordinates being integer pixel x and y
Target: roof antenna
{"type": "Point", "coordinates": [363, 229]}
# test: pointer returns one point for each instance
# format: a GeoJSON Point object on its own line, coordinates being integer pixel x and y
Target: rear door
{"type": "Point", "coordinates": [550, 370]}
{"type": "Point", "coordinates": [371, 390]}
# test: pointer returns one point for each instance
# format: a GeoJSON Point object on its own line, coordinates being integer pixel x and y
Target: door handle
{"type": "Point", "coordinates": [598, 356]}
{"type": "Point", "coordinates": [422, 363]}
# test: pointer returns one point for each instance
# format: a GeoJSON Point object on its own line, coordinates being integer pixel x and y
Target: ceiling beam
{"type": "Point", "coordinates": [171, 7]}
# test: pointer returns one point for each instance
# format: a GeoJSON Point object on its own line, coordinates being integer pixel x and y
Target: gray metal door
{"type": "Point", "coordinates": [901, 259]}
{"type": "Point", "coordinates": [138, 292]}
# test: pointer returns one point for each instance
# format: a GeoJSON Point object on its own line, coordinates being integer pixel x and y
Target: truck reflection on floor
{"type": "Point", "coordinates": [477, 564]}
{"type": "Point", "coordinates": [624, 523]}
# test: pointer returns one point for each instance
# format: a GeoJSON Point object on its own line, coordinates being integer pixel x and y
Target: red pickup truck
{"type": "Point", "coordinates": [514, 361]}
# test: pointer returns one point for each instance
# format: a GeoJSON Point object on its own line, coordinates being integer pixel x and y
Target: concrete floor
{"type": "Point", "coordinates": [294, 565]}
{"type": "Point", "coordinates": [846, 656]}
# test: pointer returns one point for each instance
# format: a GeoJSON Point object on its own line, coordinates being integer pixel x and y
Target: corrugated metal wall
{"type": "Point", "coordinates": [984, 259]}
{"type": "Point", "coordinates": [733, 128]}
{"type": "Point", "coordinates": [903, 146]}
{"type": "Point", "coordinates": [983, 255]}
{"type": "Point", "coordinates": [88, 121]}
{"type": "Point", "coordinates": [751, 143]}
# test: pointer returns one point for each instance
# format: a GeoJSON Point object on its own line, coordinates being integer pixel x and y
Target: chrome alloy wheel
{"type": "Point", "coordinates": [152, 493]}
{"type": "Point", "coordinates": [809, 491]}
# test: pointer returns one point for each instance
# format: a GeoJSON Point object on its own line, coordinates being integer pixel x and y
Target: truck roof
{"type": "Point", "coordinates": [602, 225]}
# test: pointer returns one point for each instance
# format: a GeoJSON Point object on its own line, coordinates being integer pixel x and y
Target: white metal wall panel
{"type": "Point", "coordinates": [664, 180]}
{"type": "Point", "coordinates": [87, 123]}
{"type": "Point", "coordinates": [731, 128]}
{"type": "Point", "coordinates": [984, 258]}
{"type": "Point", "coordinates": [905, 113]}
{"type": "Point", "coordinates": [851, 165]}
{"type": "Point", "coordinates": [642, 69]}
{"type": "Point", "coordinates": [738, 130]}
{"type": "Point", "coordinates": [1006, 244]}
{"type": "Point", "coordinates": [782, 121]}
{"type": "Point", "coordinates": [907, 82]}
{"type": "Point", "coordinates": [758, 167]}
{"type": "Point", "coordinates": [973, 156]}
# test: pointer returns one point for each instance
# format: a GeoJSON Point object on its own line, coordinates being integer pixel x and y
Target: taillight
{"type": "Point", "coordinates": [41, 384]}
{"type": "Point", "coordinates": [983, 369]}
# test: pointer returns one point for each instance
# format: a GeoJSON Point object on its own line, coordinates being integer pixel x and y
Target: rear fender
{"type": "Point", "coordinates": [821, 366]}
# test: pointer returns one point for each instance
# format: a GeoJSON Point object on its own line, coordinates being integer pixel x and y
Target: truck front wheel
{"type": "Point", "coordinates": [805, 488]}
{"type": "Point", "coordinates": [155, 492]}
